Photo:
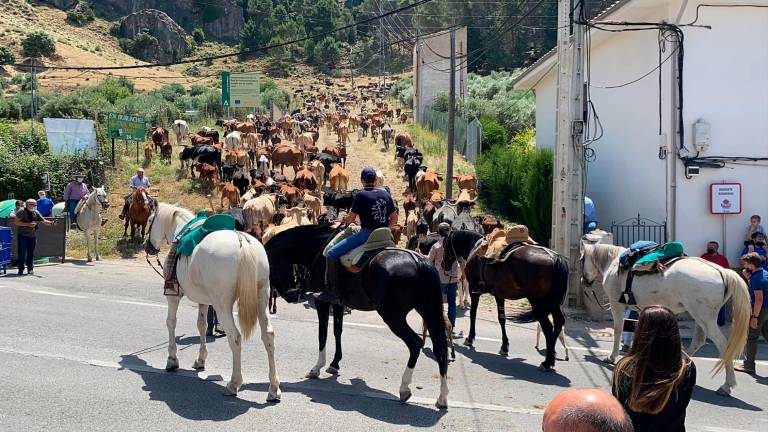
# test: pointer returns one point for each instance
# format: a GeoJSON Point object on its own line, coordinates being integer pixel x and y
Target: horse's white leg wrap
{"type": "Point", "coordinates": [405, 390]}
{"type": "Point", "coordinates": [268, 338]}
{"type": "Point", "coordinates": [170, 322]}
{"type": "Point", "coordinates": [442, 400]}
{"type": "Point", "coordinates": [315, 372]}
{"type": "Point", "coordinates": [202, 326]}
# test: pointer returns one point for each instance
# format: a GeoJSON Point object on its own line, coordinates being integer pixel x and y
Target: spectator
{"type": "Point", "coordinates": [73, 193]}
{"type": "Point", "coordinates": [655, 380]}
{"type": "Point", "coordinates": [758, 322]}
{"type": "Point", "coordinates": [585, 410]}
{"type": "Point", "coordinates": [753, 228]}
{"type": "Point", "coordinates": [590, 215]}
{"type": "Point", "coordinates": [44, 204]}
{"type": "Point", "coordinates": [26, 222]}
{"type": "Point", "coordinates": [19, 205]}
{"type": "Point", "coordinates": [448, 277]}
{"type": "Point", "coordinates": [714, 256]}
{"type": "Point", "coordinates": [757, 245]}
{"type": "Point", "coordinates": [213, 323]}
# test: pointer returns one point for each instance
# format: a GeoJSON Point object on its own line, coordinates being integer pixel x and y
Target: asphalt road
{"type": "Point", "coordinates": [84, 346]}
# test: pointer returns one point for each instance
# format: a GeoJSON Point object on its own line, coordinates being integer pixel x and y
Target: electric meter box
{"type": "Point", "coordinates": [702, 136]}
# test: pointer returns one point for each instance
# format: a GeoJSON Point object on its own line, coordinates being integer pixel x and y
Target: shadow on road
{"type": "Point", "coordinates": [188, 397]}
{"type": "Point", "coordinates": [359, 397]}
{"type": "Point", "coordinates": [514, 368]}
{"type": "Point", "coordinates": [711, 397]}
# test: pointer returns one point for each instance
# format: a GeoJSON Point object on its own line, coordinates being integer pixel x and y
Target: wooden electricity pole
{"type": "Point", "coordinates": [451, 116]}
{"type": "Point", "coordinates": [568, 173]}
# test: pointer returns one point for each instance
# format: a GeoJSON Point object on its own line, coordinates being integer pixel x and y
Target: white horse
{"type": "Point", "coordinates": [88, 218]}
{"type": "Point", "coordinates": [691, 285]}
{"type": "Point", "coordinates": [227, 266]}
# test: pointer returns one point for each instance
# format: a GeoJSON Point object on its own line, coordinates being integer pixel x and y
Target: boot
{"type": "Point", "coordinates": [171, 287]}
{"type": "Point", "coordinates": [331, 292]}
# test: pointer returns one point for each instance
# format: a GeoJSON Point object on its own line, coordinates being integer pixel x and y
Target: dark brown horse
{"type": "Point", "coordinates": [532, 272]}
{"type": "Point", "coordinates": [138, 212]}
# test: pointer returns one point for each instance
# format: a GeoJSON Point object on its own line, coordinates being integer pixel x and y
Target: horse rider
{"type": "Point", "coordinates": [136, 182]}
{"type": "Point", "coordinates": [75, 191]}
{"type": "Point", "coordinates": [375, 209]}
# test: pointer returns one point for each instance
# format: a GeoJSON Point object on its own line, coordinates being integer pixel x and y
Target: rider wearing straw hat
{"type": "Point", "coordinates": [75, 191]}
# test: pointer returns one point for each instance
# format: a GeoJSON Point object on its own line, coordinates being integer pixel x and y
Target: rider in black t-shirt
{"type": "Point", "coordinates": [375, 209]}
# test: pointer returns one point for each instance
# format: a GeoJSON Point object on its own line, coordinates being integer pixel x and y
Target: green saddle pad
{"type": "Point", "coordinates": [670, 250]}
{"type": "Point", "coordinates": [194, 236]}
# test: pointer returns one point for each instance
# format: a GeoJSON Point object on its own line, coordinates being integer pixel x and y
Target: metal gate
{"type": "Point", "coordinates": [638, 228]}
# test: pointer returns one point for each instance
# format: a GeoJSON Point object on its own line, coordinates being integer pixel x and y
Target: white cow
{"type": "Point", "coordinates": [180, 129]}
{"type": "Point", "coordinates": [233, 141]}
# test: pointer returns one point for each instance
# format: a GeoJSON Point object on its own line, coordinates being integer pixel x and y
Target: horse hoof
{"type": "Point", "coordinates": [405, 395]}
{"type": "Point", "coordinates": [89, 259]}
{"type": "Point", "coordinates": [332, 370]}
{"type": "Point", "coordinates": [274, 396]}
{"type": "Point", "coordinates": [228, 391]}
{"type": "Point", "coordinates": [608, 360]}
{"type": "Point", "coordinates": [724, 391]}
{"type": "Point", "coordinates": [172, 365]}
{"type": "Point", "coordinates": [98, 258]}
{"type": "Point", "coordinates": [441, 404]}
{"type": "Point", "coordinates": [567, 358]}
{"type": "Point", "coordinates": [546, 368]}
{"type": "Point", "coordinates": [198, 365]}
{"type": "Point", "coordinates": [313, 374]}
{"type": "Point", "coordinates": [468, 342]}
{"type": "Point", "coordinates": [503, 352]}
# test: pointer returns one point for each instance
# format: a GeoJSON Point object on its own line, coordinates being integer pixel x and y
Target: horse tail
{"type": "Point", "coordinates": [559, 287]}
{"type": "Point", "coordinates": [737, 290]}
{"type": "Point", "coordinates": [247, 286]}
{"type": "Point", "coordinates": [432, 311]}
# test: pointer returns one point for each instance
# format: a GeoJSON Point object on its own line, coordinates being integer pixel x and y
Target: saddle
{"type": "Point", "coordinates": [644, 258]}
{"type": "Point", "coordinates": [356, 259]}
{"type": "Point", "coordinates": [500, 243]}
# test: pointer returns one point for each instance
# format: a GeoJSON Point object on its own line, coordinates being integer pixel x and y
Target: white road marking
{"type": "Point", "coordinates": [52, 293]}
{"type": "Point", "coordinates": [158, 305]}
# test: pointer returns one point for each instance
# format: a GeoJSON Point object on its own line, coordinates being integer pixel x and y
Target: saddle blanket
{"type": "Point", "coordinates": [197, 229]}
{"type": "Point", "coordinates": [357, 258]}
{"type": "Point", "coordinates": [498, 241]}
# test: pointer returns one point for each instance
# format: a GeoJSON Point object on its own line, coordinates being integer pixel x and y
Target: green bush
{"type": "Point", "coordinates": [198, 35]}
{"type": "Point", "coordinates": [7, 56]}
{"type": "Point", "coordinates": [493, 133]}
{"type": "Point", "coordinates": [38, 44]}
{"type": "Point", "coordinates": [81, 14]}
{"type": "Point", "coordinates": [327, 53]}
{"type": "Point", "coordinates": [516, 181]}
{"type": "Point", "coordinates": [114, 30]}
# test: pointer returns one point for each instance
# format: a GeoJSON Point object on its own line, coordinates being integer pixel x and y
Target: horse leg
{"type": "Point", "coordinates": [235, 341]}
{"type": "Point", "coordinates": [268, 338]}
{"type": "Point", "coordinates": [504, 351]}
{"type": "Point", "coordinates": [697, 341]}
{"type": "Point", "coordinates": [550, 337]}
{"type": "Point", "coordinates": [475, 301]}
{"type": "Point", "coordinates": [617, 311]}
{"type": "Point", "coordinates": [708, 324]}
{"type": "Point", "coordinates": [202, 327]}
{"type": "Point", "coordinates": [338, 327]}
{"type": "Point", "coordinates": [323, 311]}
{"type": "Point", "coordinates": [96, 232]}
{"type": "Point", "coordinates": [558, 322]}
{"type": "Point", "coordinates": [400, 328]}
{"type": "Point", "coordinates": [127, 221]}
{"type": "Point", "coordinates": [170, 321]}
{"type": "Point", "coordinates": [87, 234]}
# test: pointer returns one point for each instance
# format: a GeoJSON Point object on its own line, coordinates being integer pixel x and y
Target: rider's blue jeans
{"type": "Point", "coordinates": [349, 243]}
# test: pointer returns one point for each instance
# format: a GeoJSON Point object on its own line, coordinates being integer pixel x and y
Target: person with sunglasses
{"type": "Point", "coordinates": [26, 221]}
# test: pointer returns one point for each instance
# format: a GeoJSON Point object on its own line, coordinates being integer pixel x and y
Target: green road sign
{"type": "Point", "coordinates": [239, 90]}
{"type": "Point", "coordinates": [126, 127]}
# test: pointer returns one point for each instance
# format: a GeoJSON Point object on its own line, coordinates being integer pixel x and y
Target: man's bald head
{"type": "Point", "coordinates": [585, 410]}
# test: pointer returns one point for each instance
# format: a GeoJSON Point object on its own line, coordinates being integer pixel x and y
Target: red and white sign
{"type": "Point", "coordinates": [725, 198]}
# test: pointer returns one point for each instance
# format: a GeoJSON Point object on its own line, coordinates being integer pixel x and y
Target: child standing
{"type": "Point", "coordinates": [754, 227]}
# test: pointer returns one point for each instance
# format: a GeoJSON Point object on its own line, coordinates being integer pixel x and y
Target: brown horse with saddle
{"type": "Point", "coordinates": [520, 269]}
{"type": "Point", "coordinates": [139, 211]}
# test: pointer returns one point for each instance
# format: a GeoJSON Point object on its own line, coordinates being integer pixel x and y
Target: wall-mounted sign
{"type": "Point", "coordinates": [725, 198]}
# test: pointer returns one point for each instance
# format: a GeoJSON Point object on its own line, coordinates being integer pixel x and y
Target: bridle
{"type": "Point", "coordinates": [589, 283]}
{"type": "Point", "coordinates": [150, 250]}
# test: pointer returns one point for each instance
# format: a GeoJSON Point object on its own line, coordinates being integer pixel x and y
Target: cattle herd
{"type": "Point", "coordinates": [246, 162]}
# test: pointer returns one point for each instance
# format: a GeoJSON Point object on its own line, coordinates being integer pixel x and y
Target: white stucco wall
{"type": "Point", "coordinates": [726, 84]}
{"type": "Point", "coordinates": [432, 69]}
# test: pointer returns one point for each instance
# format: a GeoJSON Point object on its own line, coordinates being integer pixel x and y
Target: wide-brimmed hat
{"type": "Point", "coordinates": [76, 175]}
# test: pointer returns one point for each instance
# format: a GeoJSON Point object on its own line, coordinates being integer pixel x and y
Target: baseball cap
{"type": "Point", "coordinates": [368, 175]}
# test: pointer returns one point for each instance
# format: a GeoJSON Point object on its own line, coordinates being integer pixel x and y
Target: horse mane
{"type": "Point", "coordinates": [167, 213]}
{"type": "Point", "coordinates": [603, 254]}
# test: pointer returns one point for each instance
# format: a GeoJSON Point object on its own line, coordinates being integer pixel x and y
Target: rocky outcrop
{"type": "Point", "coordinates": [153, 36]}
{"type": "Point", "coordinates": [221, 19]}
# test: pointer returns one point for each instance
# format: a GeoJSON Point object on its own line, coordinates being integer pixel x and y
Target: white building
{"type": "Point", "coordinates": [725, 85]}
{"type": "Point", "coordinates": [432, 66]}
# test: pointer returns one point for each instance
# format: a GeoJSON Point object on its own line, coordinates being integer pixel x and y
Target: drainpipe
{"type": "Point", "coordinates": [675, 144]}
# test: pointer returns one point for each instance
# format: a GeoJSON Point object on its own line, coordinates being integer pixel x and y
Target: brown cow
{"type": "Point", "coordinates": [397, 232]}
{"type": "Point", "coordinates": [159, 136]}
{"type": "Point", "coordinates": [410, 224]}
{"type": "Point", "coordinates": [286, 155]}
{"type": "Point", "coordinates": [314, 201]}
{"type": "Point", "coordinates": [291, 193]}
{"type": "Point", "coordinates": [198, 140]}
{"type": "Point", "coordinates": [409, 204]}
{"type": "Point", "coordinates": [148, 149]}
{"type": "Point", "coordinates": [237, 126]}
{"type": "Point", "coordinates": [403, 118]}
{"type": "Point", "coordinates": [403, 139]}
{"type": "Point", "coordinates": [318, 169]}
{"type": "Point", "coordinates": [260, 211]}
{"type": "Point", "coordinates": [466, 182]}
{"type": "Point", "coordinates": [428, 211]}
{"type": "Point", "coordinates": [207, 173]}
{"type": "Point", "coordinates": [427, 183]}
{"type": "Point", "coordinates": [436, 196]}
{"type": "Point", "coordinates": [304, 141]}
{"type": "Point", "coordinates": [231, 193]}
{"type": "Point", "coordinates": [489, 223]}
{"type": "Point", "coordinates": [466, 196]}
{"type": "Point", "coordinates": [305, 179]}
{"type": "Point", "coordinates": [339, 178]}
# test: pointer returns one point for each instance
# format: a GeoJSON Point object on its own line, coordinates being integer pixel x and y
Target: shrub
{"type": "Point", "coordinates": [327, 53]}
{"type": "Point", "coordinates": [114, 30]}
{"type": "Point", "coordinates": [516, 181]}
{"type": "Point", "coordinates": [38, 44]}
{"type": "Point", "coordinates": [81, 14]}
{"type": "Point", "coordinates": [139, 44]}
{"type": "Point", "coordinates": [493, 133]}
{"type": "Point", "coordinates": [7, 56]}
{"type": "Point", "coordinates": [198, 36]}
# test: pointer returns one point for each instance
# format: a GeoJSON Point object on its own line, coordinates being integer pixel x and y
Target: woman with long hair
{"type": "Point", "coordinates": [654, 381]}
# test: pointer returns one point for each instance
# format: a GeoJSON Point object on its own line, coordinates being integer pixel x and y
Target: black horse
{"type": "Point", "coordinates": [393, 283]}
{"type": "Point", "coordinates": [531, 272]}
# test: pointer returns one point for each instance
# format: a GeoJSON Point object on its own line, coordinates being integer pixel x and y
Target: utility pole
{"type": "Point", "coordinates": [381, 42]}
{"type": "Point", "coordinates": [351, 70]}
{"type": "Point", "coordinates": [451, 115]}
{"type": "Point", "coordinates": [568, 172]}
{"type": "Point", "coordinates": [33, 109]}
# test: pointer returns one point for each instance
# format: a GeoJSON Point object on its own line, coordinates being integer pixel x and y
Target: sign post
{"type": "Point", "coordinates": [239, 90]}
{"type": "Point", "coordinates": [725, 199]}
{"type": "Point", "coordinates": [127, 128]}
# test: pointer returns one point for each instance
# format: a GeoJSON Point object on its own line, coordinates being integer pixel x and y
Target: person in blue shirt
{"type": "Point", "coordinates": [590, 215]}
{"type": "Point", "coordinates": [375, 209]}
{"type": "Point", "coordinates": [758, 322]}
{"type": "Point", "coordinates": [44, 204]}
{"type": "Point", "coordinates": [137, 181]}
{"type": "Point", "coordinates": [757, 246]}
